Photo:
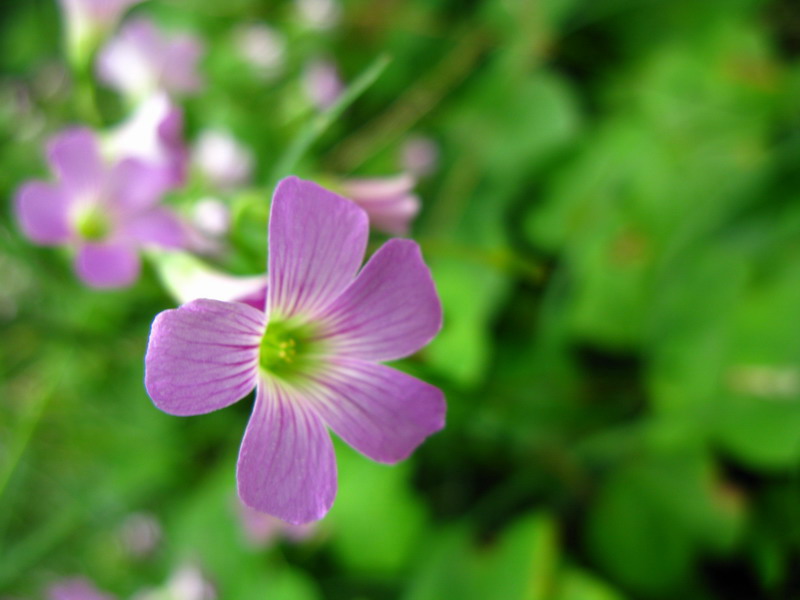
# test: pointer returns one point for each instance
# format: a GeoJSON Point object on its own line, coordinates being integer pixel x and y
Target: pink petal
{"type": "Point", "coordinates": [158, 226]}
{"type": "Point", "coordinates": [179, 69]}
{"type": "Point", "coordinates": [378, 188]}
{"type": "Point", "coordinates": [316, 244]}
{"type": "Point", "coordinates": [136, 185]}
{"type": "Point", "coordinates": [390, 311]}
{"type": "Point", "coordinates": [42, 213]}
{"type": "Point", "coordinates": [107, 264]}
{"type": "Point", "coordinates": [286, 462]}
{"type": "Point", "coordinates": [392, 216]}
{"type": "Point", "coordinates": [75, 157]}
{"type": "Point", "coordinates": [389, 201]}
{"type": "Point", "coordinates": [379, 411]}
{"type": "Point", "coordinates": [203, 356]}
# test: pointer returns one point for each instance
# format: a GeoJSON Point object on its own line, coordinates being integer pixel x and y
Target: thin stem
{"type": "Point", "coordinates": [320, 123]}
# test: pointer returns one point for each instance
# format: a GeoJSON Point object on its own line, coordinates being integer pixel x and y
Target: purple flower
{"type": "Point", "coordinates": [319, 14]}
{"type": "Point", "coordinates": [154, 134]}
{"type": "Point", "coordinates": [76, 588]}
{"type": "Point", "coordinates": [323, 83]}
{"type": "Point", "coordinates": [263, 47]}
{"type": "Point", "coordinates": [140, 61]}
{"type": "Point", "coordinates": [420, 155]}
{"type": "Point", "coordinates": [105, 211]}
{"type": "Point", "coordinates": [140, 534]}
{"type": "Point", "coordinates": [313, 355]}
{"type": "Point", "coordinates": [389, 201]}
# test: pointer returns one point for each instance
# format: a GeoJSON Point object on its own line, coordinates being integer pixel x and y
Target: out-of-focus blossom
{"type": "Point", "coordinates": [153, 134]}
{"type": "Point", "coordinates": [87, 21]}
{"type": "Point", "coordinates": [188, 278]}
{"type": "Point", "coordinates": [389, 201]}
{"type": "Point", "coordinates": [322, 83]}
{"type": "Point", "coordinates": [212, 217]}
{"type": "Point", "coordinates": [319, 14]}
{"type": "Point", "coordinates": [211, 221]}
{"type": "Point", "coordinates": [313, 354]}
{"type": "Point", "coordinates": [261, 529]}
{"type": "Point", "coordinates": [222, 159]}
{"type": "Point", "coordinates": [76, 588]}
{"type": "Point", "coordinates": [187, 583]}
{"type": "Point", "coordinates": [261, 46]}
{"type": "Point", "coordinates": [140, 534]}
{"type": "Point", "coordinates": [142, 60]}
{"type": "Point", "coordinates": [419, 155]}
{"type": "Point", "coordinates": [106, 211]}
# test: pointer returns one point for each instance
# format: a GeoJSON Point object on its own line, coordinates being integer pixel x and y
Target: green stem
{"type": "Point", "coordinates": [320, 123]}
{"type": "Point", "coordinates": [28, 425]}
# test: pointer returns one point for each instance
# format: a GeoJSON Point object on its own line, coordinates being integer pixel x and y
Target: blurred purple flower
{"type": "Point", "coordinates": [140, 534]}
{"type": "Point", "coordinates": [313, 355]}
{"type": "Point", "coordinates": [261, 46]}
{"type": "Point", "coordinates": [322, 83]}
{"type": "Point", "coordinates": [319, 14]}
{"type": "Point", "coordinates": [420, 155]}
{"type": "Point", "coordinates": [76, 588]}
{"type": "Point", "coordinates": [389, 201]}
{"type": "Point", "coordinates": [212, 217]}
{"type": "Point", "coordinates": [142, 60]}
{"type": "Point", "coordinates": [262, 529]}
{"type": "Point", "coordinates": [106, 211]}
{"type": "Point", "coordinates": [222, 159]}
{"type": "Point", "coordinates": [153, 134]}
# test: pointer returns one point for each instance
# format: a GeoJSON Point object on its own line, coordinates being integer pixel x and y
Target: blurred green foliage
{"type": "Point", "coordinates": [614, 229]}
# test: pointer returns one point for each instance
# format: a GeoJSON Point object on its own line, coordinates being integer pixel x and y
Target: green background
{"type": "Point", "coordinates": [614, 229]}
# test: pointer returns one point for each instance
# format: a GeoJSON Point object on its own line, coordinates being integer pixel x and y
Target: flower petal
{"type": "Point", "coordinates": [392, 216]}
{"type": "Point", "coordinates": [136, 185]}
{"type": "Point", "coordinates": [390, 311]}
{"type": "Point", "coordinates": [286, 463]}
{"type": "Point", "coordinates": [378, 188]}
{"type": "Point", "coordinates": [75, 157]}
{"type": "Point", "coordinates": [202, 356]}
{"type": "Point", "coordinates": [179, 69]}
{"type": "Point", "coordinates": [42, 213]}
{"type": "Point", "coordinates": [316, 244]}
{"type": "Point", "coordinates": [159, 226]}
{"type": "Point", "coordinates": [108, 264]}
{"type": "Point", "coordinates": [379, 411]}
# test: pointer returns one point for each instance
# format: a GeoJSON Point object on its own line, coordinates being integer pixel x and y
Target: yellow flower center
{"type": "Point", "coordinates": [287, 348]}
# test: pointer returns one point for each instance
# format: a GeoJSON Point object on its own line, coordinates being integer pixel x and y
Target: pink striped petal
{"type": "Point", "coordinates": [75, 156]}
{"type": "Point", "coordinates": [379, 411]}
{"type": "Point", "coordinates": [286, 462]}
{"type": "Point", "coordinates": [203, 356]}
{"type": "Point", "coordinates": [316, 244]}
{"type": "Point", "coordinates": [107, 264]}
{"type": "Point", "coordinates": [390, 311]}
{"type": "Point", "coordinates": [42, 213]}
